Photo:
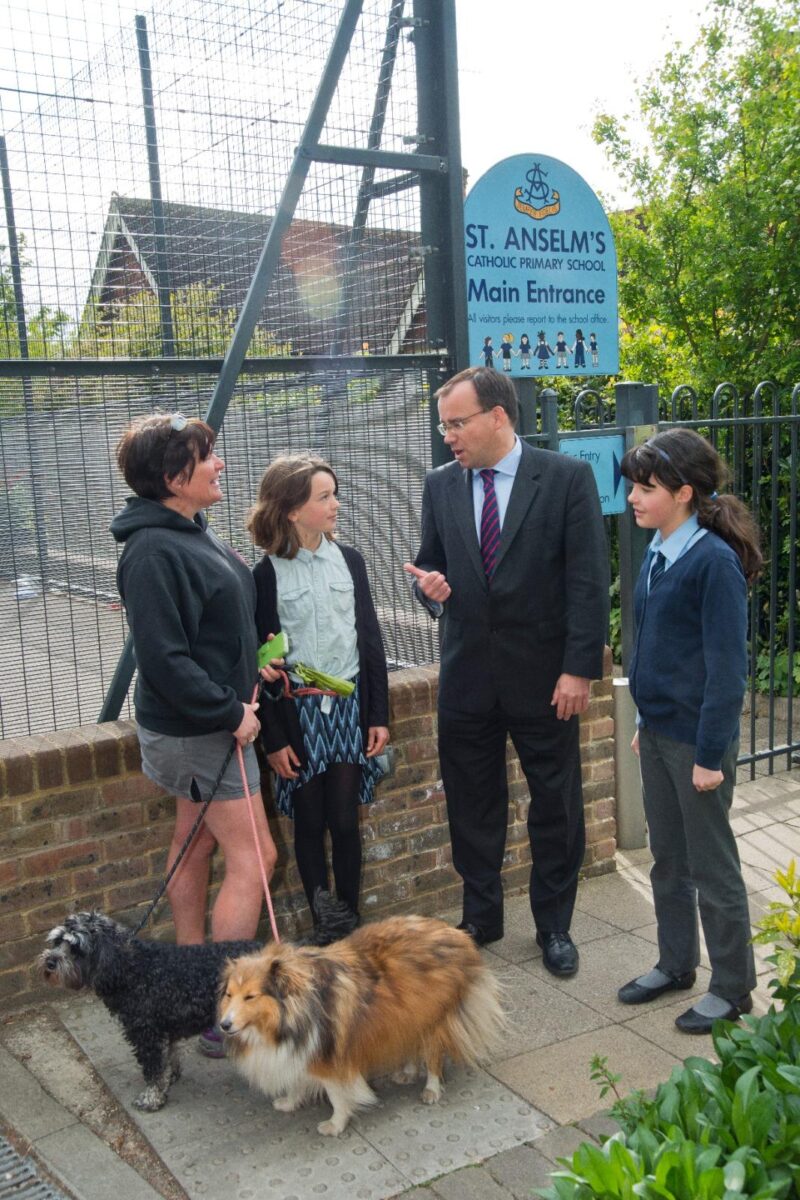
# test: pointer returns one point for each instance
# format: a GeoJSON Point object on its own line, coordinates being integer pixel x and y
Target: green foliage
{"type": "Point", "coordinates": [131, 328]}
{"type": "Point", "coordinates": [774, 679]}
{"type": "Point", "coordinates": [45, 329]}
{"type": "Point", "coordinates": [709, 261]}
{"type": "Point", "coordinates": [781, 928]}
{"type": "Point", "coordinates": [715, 1130]}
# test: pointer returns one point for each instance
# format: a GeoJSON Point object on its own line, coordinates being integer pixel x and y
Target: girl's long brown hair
{"type": "Point", "coordinates": [680, 456]}
{"type": "Point", "coordinates": [284, 486]}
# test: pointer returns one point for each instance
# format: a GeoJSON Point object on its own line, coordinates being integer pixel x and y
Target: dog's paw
{"type": "Point", "coordinates": [150, 1100]}
{"type": "Point", "coordinates": [286, 1103]}
{"type": "Point", "coordinates": [432, 1092]}
{"type": "Point", "coordinates": [330, 1128]}
{"type": "Point", "coordinates": [406, 1074]}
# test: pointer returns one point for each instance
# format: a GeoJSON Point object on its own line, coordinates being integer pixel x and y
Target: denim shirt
{"type": "Point", "coordinates": [316, 605]}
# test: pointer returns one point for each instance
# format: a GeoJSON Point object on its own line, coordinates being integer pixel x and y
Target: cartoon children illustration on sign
{"type": "Point", "coordinates": [507, 350]}
{"type": "Point", "coordinates": [487, 350]}
{"type": "Point", "coordinates": [562, 349]}
{"type": "Point", "coordinates": [594, 349]}
{"type": "Point", "coordinates": [525, 353]}
{"type": "Point", "coordinates": [544, 351]}
{"type": "Point", "coordinates": [579, 349]}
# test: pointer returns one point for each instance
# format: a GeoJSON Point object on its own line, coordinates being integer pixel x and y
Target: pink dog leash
{"type": "Point", "coordinates": [254, 827]}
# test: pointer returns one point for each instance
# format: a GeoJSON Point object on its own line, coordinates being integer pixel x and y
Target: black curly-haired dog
{"type": "Point", "coordinates": [159, 992]}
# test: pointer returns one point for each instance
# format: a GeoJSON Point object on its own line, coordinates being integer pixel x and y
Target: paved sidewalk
{"type": "Point", "coordinates": [67, 1078]}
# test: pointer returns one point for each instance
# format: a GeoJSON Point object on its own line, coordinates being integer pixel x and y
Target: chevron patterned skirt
{"type": "Point", "coordinates": [328, 738]}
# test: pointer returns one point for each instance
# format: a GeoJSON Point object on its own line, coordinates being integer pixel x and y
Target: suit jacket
{"type": "Point", "coordinates": [546, 609]}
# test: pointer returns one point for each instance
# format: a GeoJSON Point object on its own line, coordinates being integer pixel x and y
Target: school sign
{"type": "Point", "coordinates": [541, 272]}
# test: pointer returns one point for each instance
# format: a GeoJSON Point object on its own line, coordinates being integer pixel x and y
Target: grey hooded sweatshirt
{"type": "Point", "coordinates": [190, 602]}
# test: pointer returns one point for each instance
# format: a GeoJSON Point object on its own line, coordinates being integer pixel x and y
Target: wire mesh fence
{"type": "Point", "coordinates": [147, 155]}
{"type": "Point", "coordinates": [144, 156]}
{"type": "Point", "coordinates": [63, 630]}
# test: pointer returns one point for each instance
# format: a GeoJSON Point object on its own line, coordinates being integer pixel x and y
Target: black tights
{"type": "Point", "coordinates": [329, 801]}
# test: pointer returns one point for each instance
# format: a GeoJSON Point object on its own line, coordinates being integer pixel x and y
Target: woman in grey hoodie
{"type": "Point", "coordinates": [190, 601]}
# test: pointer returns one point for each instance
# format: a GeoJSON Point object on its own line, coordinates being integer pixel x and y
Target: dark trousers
{"type": "Point", "coordinates": [695, 864]}
{"type": "Point", "coordinates": [472, 754]}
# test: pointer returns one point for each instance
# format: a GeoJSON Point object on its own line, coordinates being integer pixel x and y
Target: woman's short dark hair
{"type": "Point", "coordinates": [284, 486]}
{"type": "Point", "coordinates": [493, 388]}
{"type": "Point", "coordinates": [159, 447]}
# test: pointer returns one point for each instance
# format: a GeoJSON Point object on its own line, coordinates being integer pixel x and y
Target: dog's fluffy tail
{"type": "Point", "coordinates": [476, 1028]}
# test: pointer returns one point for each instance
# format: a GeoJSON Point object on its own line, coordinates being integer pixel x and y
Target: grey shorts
{"type": "Point", "coordinates": [173, 762]}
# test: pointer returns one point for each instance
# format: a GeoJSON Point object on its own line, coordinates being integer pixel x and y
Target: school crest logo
{"type": "Point", "coordinates": [537, 201]}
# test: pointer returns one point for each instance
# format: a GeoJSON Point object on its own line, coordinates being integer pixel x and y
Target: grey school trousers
{"type": "Point", "coordinates": [696, 863]}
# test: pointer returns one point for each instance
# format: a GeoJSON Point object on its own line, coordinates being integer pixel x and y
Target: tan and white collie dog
{"type": "Point", "coordinates": [300, 1021]}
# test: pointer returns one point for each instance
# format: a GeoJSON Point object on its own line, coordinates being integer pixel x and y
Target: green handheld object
{"type": "Point", "coordinates": [328, 683]}
{"type": "Point", "coordinates": [277, 648]}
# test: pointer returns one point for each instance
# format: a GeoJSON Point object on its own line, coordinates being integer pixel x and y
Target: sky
{"type": "Point", "coordinates": [532, 78]}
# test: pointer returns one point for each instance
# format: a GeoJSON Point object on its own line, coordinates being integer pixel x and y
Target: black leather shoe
{"type": "Point", "coordinates": [639, 993]}
{"type": "Point", "coordinates": [481, 937]}
{"type": "Point", "coordinates": [694, 1022]}
{"type": "Point", "coordinates": [559, 953]}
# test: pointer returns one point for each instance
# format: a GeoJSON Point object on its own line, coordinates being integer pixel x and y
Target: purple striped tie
{"type": "Point", "coordinates": [490, 523]}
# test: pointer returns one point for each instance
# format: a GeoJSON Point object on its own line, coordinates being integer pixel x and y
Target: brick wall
{"type": "Point", "coordinates": [81, 827]}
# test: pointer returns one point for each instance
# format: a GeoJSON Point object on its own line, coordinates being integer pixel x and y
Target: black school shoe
{"type": "Point", "coordinates": [559, 953]}
{"type": "Point", "coordinates": [639, 993]}
{"type": "Point", "coordinates": [694, 1022]}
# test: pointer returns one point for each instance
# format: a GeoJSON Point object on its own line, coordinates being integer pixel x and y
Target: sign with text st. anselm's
{"type": "Point", "coordinates": [541, 272]}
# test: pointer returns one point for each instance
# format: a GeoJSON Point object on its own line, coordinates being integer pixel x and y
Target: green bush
{"type": "Point", "coordinates": [715, 1130]}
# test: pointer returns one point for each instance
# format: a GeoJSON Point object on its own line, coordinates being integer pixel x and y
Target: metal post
{"type": "Point", "coordinates": [631, 827]}
{"type": "Point", "coordinates": [38, 502]}
{"type": "Point", "coordinates": [527, 396]}
{"type": "Point", "coordinates": [549, 402]}
{"type": "Point", "coordinates": [161, 264]}
{"type": "Point", "coordinates": [637, 413]}
{"type": "Point", "coordinates": [441, 198]}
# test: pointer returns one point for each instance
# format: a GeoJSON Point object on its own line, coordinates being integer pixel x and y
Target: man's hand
{"type": "Point", "coordinates": [571, 696]}
{"type": "Point", "coordinates": [635, 743]}
{"type": "Point", "coordinates": [432, 584]}
{"type": "Point", "coordinates": [705, 780]}
{"type": "Point", "coordinates": [283, 762]}
{"type": "Point", "coordinates": [377, 737]}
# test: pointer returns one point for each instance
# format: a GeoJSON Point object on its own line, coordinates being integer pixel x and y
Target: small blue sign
{"type": "Point", "coordinates": [604, 455]}
{"type": "Point", "coordinates": [541, 272]}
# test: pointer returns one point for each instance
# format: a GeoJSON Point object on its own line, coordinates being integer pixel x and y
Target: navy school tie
{"type": "Point", "coordinates": [490, 523]}
{"type": "Point", "coordinates": [659, 563]}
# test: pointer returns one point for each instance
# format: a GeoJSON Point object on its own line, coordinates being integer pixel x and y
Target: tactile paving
{"type": "Point", "coordinates": [220, 1138]}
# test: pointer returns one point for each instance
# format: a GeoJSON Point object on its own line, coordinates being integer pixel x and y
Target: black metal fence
{"type": "Point", "coordinates": [757, 436]}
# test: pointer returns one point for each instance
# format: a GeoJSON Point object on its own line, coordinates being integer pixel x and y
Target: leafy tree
{"type": "Point", "coordinates": [710, 256]}
{"type": "Point", "coordinates": [202, 326]}
{"type": "Point", "coordinates": [45, 329]}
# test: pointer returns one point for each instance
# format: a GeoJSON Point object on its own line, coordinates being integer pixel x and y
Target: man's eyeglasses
{"type": "Point", "coordinates": [458, 423]}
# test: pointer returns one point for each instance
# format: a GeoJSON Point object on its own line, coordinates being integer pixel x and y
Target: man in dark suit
{"type": "Point", "coordinates": [514, 559]}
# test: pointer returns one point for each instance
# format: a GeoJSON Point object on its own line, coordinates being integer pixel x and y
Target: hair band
{"type": "Point", "coordinates": [666, 459]}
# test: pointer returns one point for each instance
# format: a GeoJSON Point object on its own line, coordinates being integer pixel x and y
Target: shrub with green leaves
{"type": "Point", "coordinates": [715, 1130]}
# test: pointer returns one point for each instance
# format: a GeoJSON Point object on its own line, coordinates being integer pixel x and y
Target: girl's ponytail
{"type": "Point", "coordinates": [731, 520]}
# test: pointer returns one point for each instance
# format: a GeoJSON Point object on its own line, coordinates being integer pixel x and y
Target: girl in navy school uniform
{"type": "Point", "coordinates": [323, 749]}
{"type": "Point", "coordinates": [687, 677]}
